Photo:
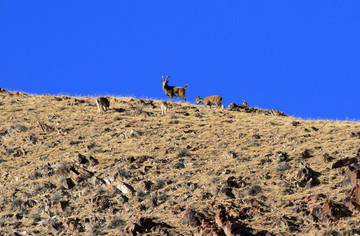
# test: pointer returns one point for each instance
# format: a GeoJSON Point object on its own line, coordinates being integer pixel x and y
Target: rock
{"type": "Point", "coordinates": [344, 162]}
{"type": "Point", "coordinates": [334, 211]}
{"type": "Point", "coordinates": [295, 123]}
{"type": "Point", "coordinates": [59, 206]}
{"type": "Point", "coordinates": [306, 154]}
{"type": "Point", "coordinates": [81, 159]}
{"type": "Point", "coordinates": [327, 157]}
{"type": "Point", "coordinates": [354, 195]}
{"type": "Point", "coordinates": [101, 202]}
{"type": "Point", "coordinates": [75, 176]}
{"type": "Point", "coordinates": [226, 193]}
{"type": "Point", "coordinates": [32, 139]}
{"type": "Point", "coordinates": [254, 190]}
{"type": "Point", "coordinates": [351, 178]}
{"type": "Point", "coordinates": [74, 224]}
{"type": "Point", "coordinates": [190, 218]}
{"type": "Point", "coordinates": [144, 225]}
{"type": "Point", "coordinates": [282, 156]}
{"type": "Point", "coordinates": [283, 167]}
{"type": "Point", "coordinates": [146, 185]}
{"type": "Point", "coordinates": [314, 198]}
{"type": "Point", "coordinates": [45, 128]}
{"type": "Point", "coordinates": [288, 222]}
{"type": "Point", "coordinates": [56, 227]}
{"type": "Point", "coordinates": [93, 161]}
{"type": "Point", "coordinates": [69, 183]}
{"type": "Point", "coordinates": [233, 182]}
{"type": "Point", "coordinates": [130, 133]}
{"type": "Point", "coordinates": [125, 188]}
{"type": "Point", "coordinates": [307, 177]}
{"type": "Point", "coordinates": [355, 134]}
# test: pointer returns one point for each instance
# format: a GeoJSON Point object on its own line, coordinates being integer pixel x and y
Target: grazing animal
{"type": "Point", "coordinates": [233, 106]}
{"type": "Point", "coordinates": [102, 104]}
{"type": "Point", "coordinates": [173, 91]}
{"type": "Point", "coordinates": [210, 100]}
{"type": "Point", "coordinates": [163, 108]}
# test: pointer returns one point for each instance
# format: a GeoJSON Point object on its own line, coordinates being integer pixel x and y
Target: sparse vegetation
{"type": "Point", "coordinates": [66, 169]}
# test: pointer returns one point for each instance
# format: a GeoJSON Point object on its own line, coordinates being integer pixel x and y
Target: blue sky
{"type": "Point", "coordinates": [300, 57]}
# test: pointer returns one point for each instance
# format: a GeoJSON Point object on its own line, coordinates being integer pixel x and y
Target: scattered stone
{"type": "Point", "coordinates": [351, 178]}
{"type": "Point", "coordinates": [146, 185]}
{"type": "Point", "coordinates": [333, 211]}
{"type": "Point", "coordinates": [314, 128]}
{"type": "Point", "coordinates": [226, 193]}
{"type": "Point", "coordinates": [191, 218]}
{"type": "Point", "coordinates": [101, 202]}
{"type": "Point", "coordinates": [93, 161]}
{"type": "Point", "coordinates": [130, 133]}
{"type": "Point", "coordinates": [81, 159]}
{"type": "Point", "coordinates": [344, 162]}
{"type": "Point", "coordinates": [355, 134]}
{"type": "Point", "coordinates": [45, 128]}
{"type": "Point", "coordinates": [295, 123]}
{"type": "Point", "coordinates": [125, 188]}
{"type": "Point", "coordinates": [254, 190]}
{"type": "Point", "coordinates": [354, 195]}
{"type": "Point", "coordinates": [283, 167]}
{"type": "Point", "coordinates": [327, 157]}
{"type": "Point", "coordinates": [307, 177]}
{"type": "Point", "coordinates": [69, 183]}
{"type": "Point", "coordinates": [233, 182]}
{"type": "Point", "coordinates": [306, 154]}
{"type": "Point", "coordinates": [74, 224]}
{"type": "Point", "coordinates": [59, 206]}
{"type": "Point", "coordinates": [144, 225]}
{"type": "Point", "coordinates": [282, 156]}
{"type": "Point", "coordinates": [56, 227]}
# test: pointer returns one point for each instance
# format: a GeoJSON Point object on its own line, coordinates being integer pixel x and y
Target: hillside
{"type": "Point", "coordinates": [68, 170]}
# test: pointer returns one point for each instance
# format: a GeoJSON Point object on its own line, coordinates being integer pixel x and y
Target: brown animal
{"type": "Point", "coordinates": [210, 100]}
{"type": "Point", "coordinates": [102, 104]}
{"type": "Point", "coordinates": [173, 91]}
{"type": "Point", "coordinates": [233, 106]}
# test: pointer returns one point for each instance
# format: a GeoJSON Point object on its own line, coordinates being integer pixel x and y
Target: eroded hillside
{"type": "Point", "coordinates": [66, 169]}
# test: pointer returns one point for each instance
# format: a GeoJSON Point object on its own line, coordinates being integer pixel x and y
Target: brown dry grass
{"type": "Point", "coordinates": [191, 153]}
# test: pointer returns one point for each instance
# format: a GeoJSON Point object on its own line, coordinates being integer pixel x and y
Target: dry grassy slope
{"type": "Point", "coordinates": [189, 159]}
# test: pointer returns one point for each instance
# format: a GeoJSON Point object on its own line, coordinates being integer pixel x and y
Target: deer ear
{"type": "Point", "coordinates": [162, 78]}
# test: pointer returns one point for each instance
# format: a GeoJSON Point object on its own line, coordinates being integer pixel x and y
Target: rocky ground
{"type": "Point", "coordinates": [68, 170]}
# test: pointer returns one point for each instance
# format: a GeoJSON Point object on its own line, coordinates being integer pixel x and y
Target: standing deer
{"type": "Point", "coordinates": [173, 91]}
{"type": "Point", "coordinates": [210, 100]}
{"type": "Point", "coordinates": [102, 104]}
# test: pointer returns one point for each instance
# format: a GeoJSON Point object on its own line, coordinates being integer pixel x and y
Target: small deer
{"type": "Point", "coordinates": [163, 108]}
{"type": "Point", "coordinates": [173, 91]}
{"type": "Point", "coordinates": [210, 100]}
{"type": "Point", "coordinates": [233, 106]}
{"type": "Point", "coordinates": [102, 104]}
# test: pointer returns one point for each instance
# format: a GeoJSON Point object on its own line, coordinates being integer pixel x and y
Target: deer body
{"type": "Point", "coordinates": [210, 100]}
{"type": "Point", "coordinates": [173, 91]}
{"type": "Point", "coordinates": [102, 104]}
{"type": "Point", "coordinates": [233, 106]}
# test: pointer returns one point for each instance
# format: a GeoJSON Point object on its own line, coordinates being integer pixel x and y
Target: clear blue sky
{"type": "Point", "coordinates": [300, 57]}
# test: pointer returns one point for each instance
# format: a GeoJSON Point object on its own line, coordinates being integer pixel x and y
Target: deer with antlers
{"type": "Point", "coordinates": [173, 91]}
